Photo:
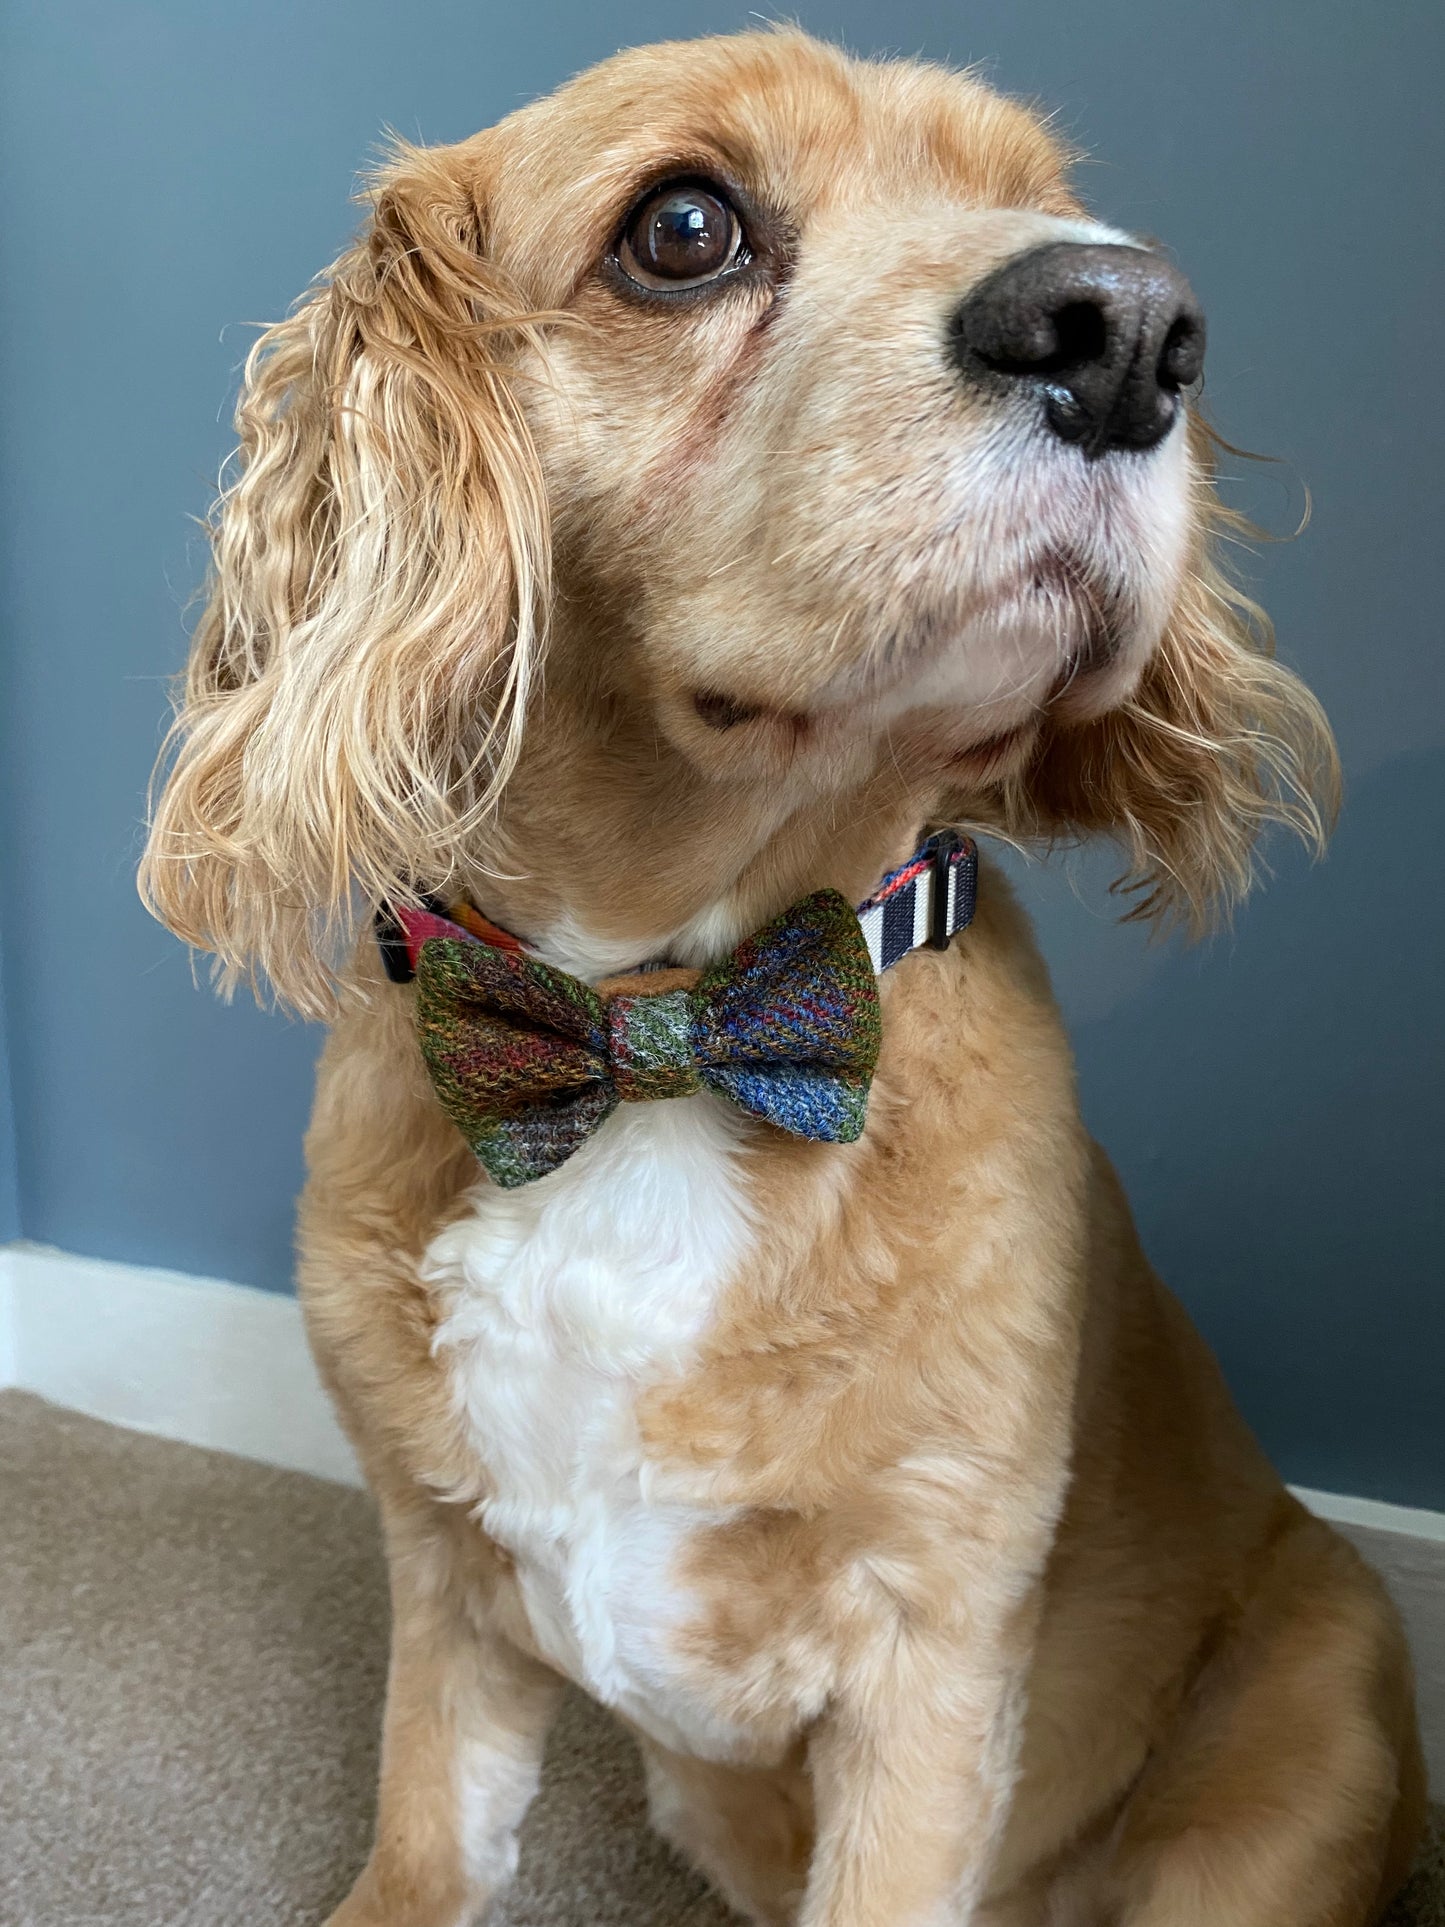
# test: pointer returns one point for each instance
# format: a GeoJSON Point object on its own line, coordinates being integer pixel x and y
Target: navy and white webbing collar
{"type": "Point", "coordinates": [925, 902]}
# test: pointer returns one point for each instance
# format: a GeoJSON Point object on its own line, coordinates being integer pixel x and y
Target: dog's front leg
{"type": "Point", "coordinates": [912, 1769]}
{"type": "Point", "coordinates": [466, 1718]}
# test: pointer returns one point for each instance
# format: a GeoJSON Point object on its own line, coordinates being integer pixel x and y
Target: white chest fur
{"type": "Point", "coordinates": [559, 1303]}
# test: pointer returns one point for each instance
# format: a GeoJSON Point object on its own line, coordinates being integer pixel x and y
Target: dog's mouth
{"type": "Point", "coordinates": [1096, 619]}
{"type": "Point", "coordinates": [719, 711]}
{"type": "Point", "coordinates": [995, 757]}
{"type": "Point", "coordinates": [929, 738]}
{"type": "Point", "coordinates": [1093, 609]}
{"type": "Point", "coordinates": [1077, 619]}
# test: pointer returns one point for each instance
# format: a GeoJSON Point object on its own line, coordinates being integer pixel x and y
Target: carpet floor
{"type": "Point", "coordinates": [192, 1653]}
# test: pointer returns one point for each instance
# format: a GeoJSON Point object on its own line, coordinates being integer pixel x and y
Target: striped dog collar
{"type": "Point", "coordinates": [924, 902]}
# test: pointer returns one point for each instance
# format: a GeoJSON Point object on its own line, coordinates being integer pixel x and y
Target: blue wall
{"type": "Point", "coordinates": [176, 170]}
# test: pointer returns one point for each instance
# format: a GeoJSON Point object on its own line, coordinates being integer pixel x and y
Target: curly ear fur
{"type": "Point", "coordinates": [1218, 743]}
{"type": "Point", "coordinates": [357, 683]}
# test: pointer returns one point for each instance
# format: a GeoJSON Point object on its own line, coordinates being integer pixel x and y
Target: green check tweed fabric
{"type": "Point", "coordinates": [528, 1061]}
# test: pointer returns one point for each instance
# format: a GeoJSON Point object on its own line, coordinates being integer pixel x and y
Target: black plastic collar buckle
{"type": "Point", "coordinates": [391, 942]}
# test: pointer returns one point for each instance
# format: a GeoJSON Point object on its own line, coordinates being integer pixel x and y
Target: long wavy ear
{"type": "Point", "coordinates": [357, 684]}
{"type": "Point", "coordinates": [1218, 744]}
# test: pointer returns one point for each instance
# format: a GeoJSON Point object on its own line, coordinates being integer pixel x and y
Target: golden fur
{"type": "Point", "coordinates": [1020, 1627]}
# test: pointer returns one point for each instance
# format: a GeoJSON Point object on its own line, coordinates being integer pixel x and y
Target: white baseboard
{"type": "Point", "coordinates": [1374, 1515]}
{"type": "Point", "coordinates": [187, 1358]}
{"type": "Point", "coordinates": [9, 1351]}
{"type": "Point", "coordinates": [228, 1367]}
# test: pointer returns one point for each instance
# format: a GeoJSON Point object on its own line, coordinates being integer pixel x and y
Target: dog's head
{"type": "Point", "coordinates": [795, 411]}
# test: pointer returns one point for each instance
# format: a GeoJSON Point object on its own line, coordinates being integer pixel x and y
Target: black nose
{"type": "Point", "coordinates": [1107, 335]}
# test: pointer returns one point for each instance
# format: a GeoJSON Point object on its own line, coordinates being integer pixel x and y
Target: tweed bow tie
{"type": "Point", "coordinates": [528, 1061]}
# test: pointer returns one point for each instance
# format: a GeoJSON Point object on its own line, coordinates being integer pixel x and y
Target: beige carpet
{"type": "Point", "coordinates": [191, 1662]}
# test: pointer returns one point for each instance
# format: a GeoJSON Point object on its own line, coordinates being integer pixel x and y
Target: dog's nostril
{"type": "Point", "coordinates": [1043, 343]}
{"type": "Point", "coordinates": [1181, 362]}
{"type": "Point", "coordinates": [1083, 333]}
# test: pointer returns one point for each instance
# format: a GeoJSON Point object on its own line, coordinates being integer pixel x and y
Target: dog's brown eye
{"type": "Point", "coordinates": [679, 237]}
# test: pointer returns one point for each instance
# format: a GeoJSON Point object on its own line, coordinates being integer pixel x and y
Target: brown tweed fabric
{"type": "Point", "coordinates": [192, 1651]}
